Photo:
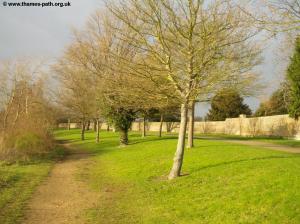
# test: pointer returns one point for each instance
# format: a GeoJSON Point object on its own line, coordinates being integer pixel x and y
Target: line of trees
{"type": "Point", "coordinates": [135, 56]}
{"type": "Point", "coordinates": [138, 55]}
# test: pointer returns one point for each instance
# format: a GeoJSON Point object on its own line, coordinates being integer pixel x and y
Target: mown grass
{"type": "Point", "coordinates": [224, 182]}
{"type": "Point", "coordinates": [18, 181]}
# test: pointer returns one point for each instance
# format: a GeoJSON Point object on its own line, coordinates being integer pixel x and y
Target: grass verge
{"type": "Point", "coordinates": [18, 181]}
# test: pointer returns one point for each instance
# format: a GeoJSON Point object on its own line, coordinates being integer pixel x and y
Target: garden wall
{"type": "Point", "coordinates": [280, 125]}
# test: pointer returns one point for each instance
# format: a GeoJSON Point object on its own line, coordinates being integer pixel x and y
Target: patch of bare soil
{"type": "Point", "coordinates": [63, 198]}
{"type": "Point", "coordinates": [267, 145]}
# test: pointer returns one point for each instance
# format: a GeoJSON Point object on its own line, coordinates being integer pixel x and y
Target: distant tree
{"type": "Point", "coordinates": [109, 62]}
{"type": "Point", "coordinates": [227, 104]}
{"type": "Point", "coordinates": [122, 119]}
{"type": "Point", "coordinates": [276, 105]}
{"type": "Point", "coordinates": [76, 93]}
{"type": "Point", "coordinates": [164, 114]}
{"type": "Point", "coordinates": [293, 77]}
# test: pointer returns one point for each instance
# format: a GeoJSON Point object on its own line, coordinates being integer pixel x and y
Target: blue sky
{"type": "Point", "coordinates": [44, 32]}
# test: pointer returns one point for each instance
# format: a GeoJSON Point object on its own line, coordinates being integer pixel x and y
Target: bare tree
{"type": "Point", "coordinates": [24, 110]}
{"type": "Point", "coordinates": [186, 45]}
{"type": "Point", "coordinates": [76, 90]}
{"type": "Point", "coordinates": [99, 53]}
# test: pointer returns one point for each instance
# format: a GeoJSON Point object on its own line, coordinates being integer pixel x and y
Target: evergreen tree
{"type": "Point", "coordinates": [227, 104]}
{"type": "Point", "coordinates": [122, 119]}
{"type": "Point", "coordinates": [293, 76]}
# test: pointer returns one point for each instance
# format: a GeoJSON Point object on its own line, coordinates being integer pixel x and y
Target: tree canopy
{"type": "Point", "coordinates": [227, 103]}
{"type": "Point", "coordinates": [276, 105]}
{"type": "Point", "coordinates": [293, 77]}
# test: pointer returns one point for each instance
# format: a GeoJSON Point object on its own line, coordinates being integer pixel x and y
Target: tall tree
{"type": "Point", "coordinates": [77, 93]}
{"type": "Point", "coordinates": [293, 76]}
{"type": "Point", "coordinates": [195, 45]}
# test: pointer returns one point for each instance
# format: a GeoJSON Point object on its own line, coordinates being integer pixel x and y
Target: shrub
{"type": "Point", "coordinates": [22, 147]}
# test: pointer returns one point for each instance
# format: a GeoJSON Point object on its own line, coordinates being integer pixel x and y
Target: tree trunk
{"type": "Point", "coordinates": [88, 125]}
{"type": "Point", "coordinates": [144, 128]}
{"type": "Point", "coordinates": [69, 124]}
{"type": "Point", "coordinates": [191, 126]}
{"type": "Point", "coordinates": [95, 125]}
{"type": "Point", "coordinates": [161, 125]}
{"type": "Point", "coordinates": [26, 105]}
{"type": "Point", "coordinates": [98, 130]}
{"type": "Point", "coordinates": [178, 158]}
{"type": "Point", "coordinates": [83, 131]}
{"type": "Point", "coordinates": [123, 137]}
{"type": "Point", "coordinates": [17, 115]}
{"type": "Point", "coordinates": [5, 120]}
{"type": "Point", "coordinates": [107, 129]}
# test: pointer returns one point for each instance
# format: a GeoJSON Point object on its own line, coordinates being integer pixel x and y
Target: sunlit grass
{"type": "Point", "coordinates": [224, 182]}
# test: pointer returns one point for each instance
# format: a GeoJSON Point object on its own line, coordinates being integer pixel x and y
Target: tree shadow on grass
{"type": "Point", "coordinates": [134, 142]}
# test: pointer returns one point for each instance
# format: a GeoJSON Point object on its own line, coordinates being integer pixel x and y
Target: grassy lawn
{"type": "Point", "coordinates": [224, 182]}
{"type": "Point", "coordinates": [17, 183]}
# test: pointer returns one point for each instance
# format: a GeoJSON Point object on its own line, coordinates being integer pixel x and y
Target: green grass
{"type": "Point", "coordinates": [224, 182]}
{"type": "Point", "coordinates": [17, 183]}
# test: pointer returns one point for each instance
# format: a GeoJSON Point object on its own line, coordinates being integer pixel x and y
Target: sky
{"type": "Point", "coordinates": [37, 32]}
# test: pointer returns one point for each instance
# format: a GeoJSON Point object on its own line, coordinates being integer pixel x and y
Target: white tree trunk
{"type": "Point", "coordinates": [144, 127]}
{"type": "Point", "coordinates": [69, 124]}
{"type": "Point", "coordinates": [95, 125]}
{"type": "Point", "coordinates": [83, 130]}
{"type": "Point", "coordinates": [26, 105]}
{"type": "Point", "coordinates": [161, 124]}
{"type": "Point", "coordinates": [178, 158]}
{"type": "Point", "coordinates": [191, 126]}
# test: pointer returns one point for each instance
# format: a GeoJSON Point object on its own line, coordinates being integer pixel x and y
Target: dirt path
{"type": "Point", "coordinates": [266, 145]}
{"type": "Point", "coordinates": [62, 198]}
